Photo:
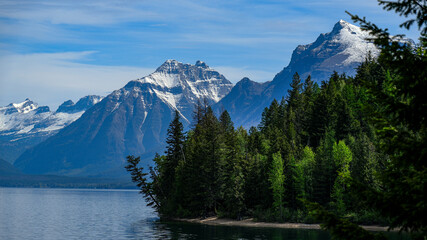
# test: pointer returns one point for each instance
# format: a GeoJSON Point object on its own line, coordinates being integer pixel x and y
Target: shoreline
{"type": "Point", "coordinates": [215, 221]}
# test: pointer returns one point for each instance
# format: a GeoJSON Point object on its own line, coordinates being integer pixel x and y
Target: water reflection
{"type": "Point", "coordinates": [176, 230]}
{"type": "Point", "coordinates": [154, 229]}
{"type": "Point", "coordinates": [112, 214]}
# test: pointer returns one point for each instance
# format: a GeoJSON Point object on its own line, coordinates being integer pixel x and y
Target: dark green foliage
{"type": "Point", "coordinates": [174, 154]}
{"type": "Point", "coordinates": [216, 169]}
{"type": "Point", "coordinates": [398, 110]}
{"type": "Point", "coordinates": [355, 146]}
{"type": "Point", "coordinates": [407, 8]}
{"type": "Point", "coordinates": [231, 176]}
{"type": "Point", "coordinates": [324, 170]}
{"type": "Point", "coordinates": [276, 179]}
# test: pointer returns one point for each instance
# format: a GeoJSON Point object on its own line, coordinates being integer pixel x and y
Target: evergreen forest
{"type": "Point", "coordinates": [348, 150]}
{"type": "Point", "coordinates": [305, 147]}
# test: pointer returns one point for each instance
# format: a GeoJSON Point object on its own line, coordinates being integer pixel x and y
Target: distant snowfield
{"type": "Point", "coordinates": [27, 120]}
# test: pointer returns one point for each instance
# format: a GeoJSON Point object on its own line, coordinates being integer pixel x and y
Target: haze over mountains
{"type": "Point", "coordinates": [135, 118]}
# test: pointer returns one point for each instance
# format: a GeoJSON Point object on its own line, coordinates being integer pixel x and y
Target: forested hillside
{"type": "Point", "coordinates": [306, 146]}
{"type": "Point", "coordinates": [349, 150]}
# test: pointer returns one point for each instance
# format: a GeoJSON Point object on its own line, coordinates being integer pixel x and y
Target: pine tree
{"type": "Point", "coordinates": [308, 96]}
{"type": "Point", "coordinates": [294, 94]}
{"type": "Point", "coordinates": [295, 114]}
{"type": "Point", "coordinates": [231, 179]}
{"type": "Point", "coordinates": [174, 154]}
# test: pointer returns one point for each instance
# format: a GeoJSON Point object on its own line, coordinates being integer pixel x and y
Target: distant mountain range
{"type": "Point", "coordinates": [24, 125]}
{"type": "Point", "coordinates": [135, 118]}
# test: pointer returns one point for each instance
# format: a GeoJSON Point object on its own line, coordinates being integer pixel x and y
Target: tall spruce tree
{"type": "Point", "coordinates": [174, 154]}
{"type": "Point", "coordinates": [231, 179]}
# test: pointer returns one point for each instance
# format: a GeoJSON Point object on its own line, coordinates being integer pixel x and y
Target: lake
{"type": "Point", "coordinates": [34, 213]}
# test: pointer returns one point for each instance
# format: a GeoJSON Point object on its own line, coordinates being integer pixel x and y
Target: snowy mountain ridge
{"type": "Point", "coordinates": [198, 80]}
{"type": "Point", "coordinates": [341, 50]}
{"type": "Point", "coordinates": [131, 120]}
{"type": "Point", "coordinates": [25, 124]}
{"type": "Point", "coordinates": [28, 117]}
{"type": "Point", "coordinates": [352, 40]}
{"type": "Point", "coordinates": [179, 85]}
{"type": "Point", "coordinates": [23, 107]}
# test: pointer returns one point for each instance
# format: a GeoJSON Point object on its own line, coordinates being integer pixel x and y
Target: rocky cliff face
{"type": "Point", "coordinates": [82, 105]}
{"type": "Point", "coordinates": [131, 120]}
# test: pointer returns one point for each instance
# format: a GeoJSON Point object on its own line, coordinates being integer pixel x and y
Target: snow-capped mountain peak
{"type": "Point", "coordinates": [341, 50]}
{"type": "Point", "coordinates": [22, 107]}
{"type": "Point", "coordinates": [199, 81]}
{"type": "Point", "coordinates": [25, 124]}
{"type": "Point", "coordinates": [341, 24]}
{"type": "Point", "coordinates": [169, 66]}
{"type": "Point", "coordinates": [201, 64]}
{"type": "Point", "coordinates": [29, 117]}
{"type": "Point", "coordinates": [354, 42]}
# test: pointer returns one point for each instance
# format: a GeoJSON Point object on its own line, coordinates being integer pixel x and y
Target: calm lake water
{"type": "Point", "coordinates": [30, 213]}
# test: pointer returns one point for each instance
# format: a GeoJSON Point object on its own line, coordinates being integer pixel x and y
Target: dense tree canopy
{"type": "Point", "coordinates": [353, 147]}
{"type": "Point", "coordinates": [304, 148]}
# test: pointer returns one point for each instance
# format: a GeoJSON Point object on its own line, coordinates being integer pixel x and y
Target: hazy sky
{"type": "Point", "coordinates": [52, 51]}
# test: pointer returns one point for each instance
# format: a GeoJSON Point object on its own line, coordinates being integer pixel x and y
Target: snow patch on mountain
{"type": "Point", "coordinates": [171, 99]}
{"type": "Point", "coordinates": [25, 106]}
{"type": "Point", "coordinates": [161, 79]}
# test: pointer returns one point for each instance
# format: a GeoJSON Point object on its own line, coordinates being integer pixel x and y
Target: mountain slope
{"type": "Point", "coordinates": [242, 99]}
{"type": "Point", "coordinates": [7, 169]}
{"type": "Point", "coordinates": [131, 120]}
{"type": "Point", "coordinates": [25, 124]}
{"type": "Point", "coordinates": [341, 50]}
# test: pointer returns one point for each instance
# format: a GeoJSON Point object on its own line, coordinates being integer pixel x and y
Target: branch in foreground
{"type": "Point", "coordinates": [139, 177]}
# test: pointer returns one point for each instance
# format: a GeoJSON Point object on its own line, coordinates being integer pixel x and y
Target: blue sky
{"type": "Point", "coordinates": [52, 51]}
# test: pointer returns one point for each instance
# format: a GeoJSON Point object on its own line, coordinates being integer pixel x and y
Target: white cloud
{"type": "Point", "coordinates": [51, 78]}
{"type": "Point", "coordinates": [75, 12]}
